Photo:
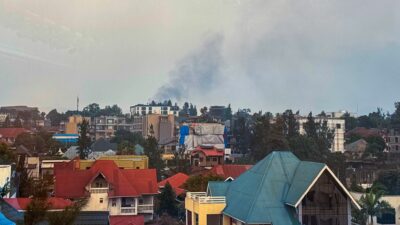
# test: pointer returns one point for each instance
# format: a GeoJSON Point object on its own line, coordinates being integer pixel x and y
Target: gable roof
{"type": "Point", "coordinates": [176, 182]}
{"type": "Point", "coordinates": [208, 151]}
{"type": "Point", "coordinates": [357, 146]}
{"type": "Point", "coordinates": [269, 192]}
{"type": "Point", "coordinates": [21, 204]}
{"type": "Point", "coordinates": [229, 171]}
{"type": "Point", "coordinates": [12, 132]}
{"type": "Point", "coordinates": [71, 183]}
{"type": "Point", "coordinates": [126, 220]}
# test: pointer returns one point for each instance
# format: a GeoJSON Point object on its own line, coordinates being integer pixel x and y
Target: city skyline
{"type": "Point", "coordinates": [262, 55]}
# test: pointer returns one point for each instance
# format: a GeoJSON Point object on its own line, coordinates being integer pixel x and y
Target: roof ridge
{"type": "Point", "coordinates": [291, 181]}
{"type": "Point", "coordinates": [262, 181]}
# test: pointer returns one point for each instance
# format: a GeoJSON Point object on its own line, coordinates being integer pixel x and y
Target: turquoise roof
{"type": "Point", "coordinates": [217, 188]}
{"type": "Point", "coordinates": [261, 195]}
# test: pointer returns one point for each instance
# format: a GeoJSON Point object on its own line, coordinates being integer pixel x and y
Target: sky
{"type": "Point", "coordinates": [309, 55]}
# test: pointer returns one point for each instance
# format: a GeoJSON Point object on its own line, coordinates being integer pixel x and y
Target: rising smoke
{"type": "Point", "coordinates": [196, 72]}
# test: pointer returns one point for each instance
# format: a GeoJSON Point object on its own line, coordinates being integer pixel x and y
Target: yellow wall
{"type": "Point", "coordinates": [204, 209]}
{"type": "Point", "coordinates": [122, 161]}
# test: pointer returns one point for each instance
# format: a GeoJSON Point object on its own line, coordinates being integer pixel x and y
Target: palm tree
{"type": "Point", "coordinates": [372, 204]}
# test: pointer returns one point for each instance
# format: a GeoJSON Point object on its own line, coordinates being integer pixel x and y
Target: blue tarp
{"type": "Point", "coordinates": [5, 221]}
{"type": "Point", "coordinates": [184, 131]}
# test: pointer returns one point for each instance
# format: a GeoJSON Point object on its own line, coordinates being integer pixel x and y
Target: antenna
{"type": "Point", "coordinates": [77, 104]}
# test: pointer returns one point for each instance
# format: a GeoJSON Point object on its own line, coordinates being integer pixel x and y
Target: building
{"type": "Point", "coordinates": [337, 125]}
{"type": "Point", "coordinates": [121, 192]}
{"type": "Point", "coordinates": [122, 161]}
{"type": "Point", "coordinates": [393, 141]}
{"type": "Point", "coordinates": [217, 113]}
{"type": "Point", "coordinates": [176, 181]}
{"type": "Point", "coordinates": [9, 135]}
{"type": "Point", "coordinates": [229, 172]}
{"type": "Point", "coordinates": [5, 176]}
{"type": "Point", "coordinates": [106, 126]}
{"type": "Point", "coordinates": [356, 149]}
{"type": "Point", "coordinates": [162, 127]}
{"type": "Point", "coordinates": [279, 190]}
{"type": "Point", "coordinates": [196, 134]}
{"type": "Point", "coordinates": [207, 156]}
{"type": "Point", "coordinates": [142, 110]}
{"type": "Point", "coordinates": [72, 126]}
{"type": "Point", "coordinates": [67, 139]}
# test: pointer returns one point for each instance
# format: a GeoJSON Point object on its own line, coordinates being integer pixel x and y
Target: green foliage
{"type": "Point", "coordinates": [372, 204]}
{"type": "Point", "coordinates": [68, 215]}
{"type": "Point", "coordinates": [5, 190]}
{"type": "Point", "coordinates": [84, 140]}
{"type": "Point", "coordinates": [267, 137]}
{"type": "Point", "coordinates": [56, 118]}
{"type": "Point", "coordinates": [36, 211]}
{"type": "Point", "coordinates": [94, 110]}
{"type": "Point", "coordinates": [199, 183]}
{"type": "Point", "coordinates": [391, 180]}
{"type": "Point", "coordinates": [7, 156]}
{"type": "Point", "coordinates": [167, 202]}
{"type": "Point", "coordinates": [31, 141]}
{"type": "Point", "coordinates": [152, 151]}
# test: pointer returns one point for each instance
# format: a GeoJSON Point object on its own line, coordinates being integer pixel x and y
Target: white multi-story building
{"type": "Point", "coordinates": [141, 110]}
{"type": "Point", "coordinates": [120, 192]}
{"type": "Point", "coordinates": [337, 125]}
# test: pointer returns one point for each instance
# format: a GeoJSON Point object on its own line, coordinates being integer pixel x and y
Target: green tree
{"type": "Point", "coordinates": [291, 126]}
{"type": "Point", "coordinates": [5, 190]}
{"type": "Point", "coordinates": [372, 204]}
{"type": "Point", "coordinates": [350, 121]}
{"type": "Point", "coordinates": [84, 139]}
{"type": "Point", "coordinates": [7, 122]}
{"type": "Point", "coordinates": [167, 201]}
{"type": "Point", "coordinates": [92, 110]}
{"type": "Point", "coordinates": [228, 113]}
{"type": "Point", "coordinates": [152, 151]}
{"type": "Point", "coordinates": [68, 215]}
{"type": "Point", "coordinates": [31, 141]}
{"type": "Point", "coordinates": [199, 183]}
{"type": "Point", "coordinates": [36, 211]}
{"type": "Point", "coordinates": [7, 156]}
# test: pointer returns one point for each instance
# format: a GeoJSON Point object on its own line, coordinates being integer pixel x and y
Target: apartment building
{"type": "Point", "coordinates": [279, 190]}
{"type": "Point", "coordinates": [121, 192]}
{"type": "Point", "coordinates": [106, 126]}
{"type": "Point", "coordinates": [393, 141]}
{"type": "Point", "coordinates": [162, 127]}
{"type": "Point", "coordinates": [337, 125]}
{"type": "Point", "coordinates": [142, 110]}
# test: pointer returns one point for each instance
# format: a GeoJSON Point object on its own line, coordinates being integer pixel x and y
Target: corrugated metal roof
{"type": "Point", "coordinates": [259, 195]}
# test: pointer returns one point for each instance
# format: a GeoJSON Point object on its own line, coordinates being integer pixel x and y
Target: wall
{"type": "Point", "coordinates": [5, 175]}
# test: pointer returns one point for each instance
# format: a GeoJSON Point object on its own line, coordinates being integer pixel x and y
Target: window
{"type": "Point", "coordinates": [338, 126]}
{"type": "Point", "coordinates": [114, 203]}
{"type": "Point", "coordinates": [101, 200]}
{"type": "Point", "coordinates": [196, 219]}
{"type": "Point", "coordinates": [141, 201]}
{"type": "Point", "coordinates": [396, 139]}
{"type": "Point", "coordinates": [397, 147]}
{"type": "Point", "coordinates": [214, 159]}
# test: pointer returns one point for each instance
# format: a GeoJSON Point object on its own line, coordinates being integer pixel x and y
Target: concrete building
{"type": "Point", "coordinates": [142, 110]}
{"type": "Point", "coordinates": [106, 126]}
{"type": "Point", "coordinates": [337, 125]}
{"type": "Point", "coordinates": [162, 127]}
{"type": "Point", "coordinates": [279, 190]}
{"type": "Point", "coordinates": [72, 126]}
{"type": "Point", "coordinates": [392, 139]}
{"type": "Point", "coordinates": [121, 192]}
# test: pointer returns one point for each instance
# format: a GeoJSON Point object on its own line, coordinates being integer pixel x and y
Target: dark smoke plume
{"type": "Point", "coordinates": [197, 72]}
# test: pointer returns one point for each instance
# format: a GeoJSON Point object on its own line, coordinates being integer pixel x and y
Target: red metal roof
{"type": "Point", "coordinates": [227, 171]}
{"type": "Point", "coordinates": [126, 220]}
{"type": "Point", "coordinates": [209, 151]}
{"type": "Point", "coordinates": [22, 203]}
{"type": "Point", "coordinates": [71, 183]}
{"type": "Point", "coordinates": [12, 132]}
{"type": "Point", "coordinates": [176, 182]}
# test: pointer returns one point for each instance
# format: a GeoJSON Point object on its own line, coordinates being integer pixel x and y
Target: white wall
{"type": "Point", "coordinates": [94, 202]}
{"type": "Point", "coordinates": [5, 175]}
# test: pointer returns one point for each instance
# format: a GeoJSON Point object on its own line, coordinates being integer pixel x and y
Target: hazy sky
{"type": "Point", "coordinates": [261, 54]}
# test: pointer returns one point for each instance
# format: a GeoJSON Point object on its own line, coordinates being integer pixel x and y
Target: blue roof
{"type": "Point", "coordinates": [66, 135]}
{"type": "Point", "coordinates": [261, 195]}
{"type": "Point", "coordinates": [5, 221]}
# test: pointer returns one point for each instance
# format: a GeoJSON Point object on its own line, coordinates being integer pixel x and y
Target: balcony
{"type": "Point", "coordinates": [202, 198]}
{"type": "Point", "coordinates": [146, 209]}
{"type": "Point", "coordinates": [98, 190]}
{"type": "Point", "coordinates": [128, 211]}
